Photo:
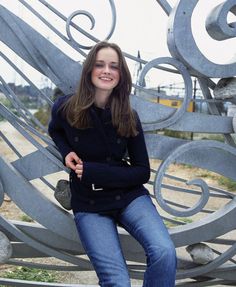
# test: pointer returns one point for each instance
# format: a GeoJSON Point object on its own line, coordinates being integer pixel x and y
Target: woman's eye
{"type": "Point", "coordinates": [102, 66]}
{"type": "Point", "coordinates": [98, 65]}
{"type": "Point", "coordinates": [114, 67]}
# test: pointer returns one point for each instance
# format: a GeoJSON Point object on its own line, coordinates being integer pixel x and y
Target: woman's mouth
{"type": "Point", "coordinates": [105, 79]}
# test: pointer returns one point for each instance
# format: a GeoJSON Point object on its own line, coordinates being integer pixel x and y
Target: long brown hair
{"type": "Point", "coordinates": [76, 109]}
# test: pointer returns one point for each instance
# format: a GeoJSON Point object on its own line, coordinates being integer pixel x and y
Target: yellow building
{"type": "Point", "coordinates": [175, 103]}
{"type": "Point", "coordinates": [161, 98]}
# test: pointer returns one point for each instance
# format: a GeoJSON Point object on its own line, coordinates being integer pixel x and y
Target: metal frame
{"type": "Point", "coordinates": [53, 233]}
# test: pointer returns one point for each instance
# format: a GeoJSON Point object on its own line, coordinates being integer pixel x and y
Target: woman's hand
{"type": "Point", "coordinates": [79, 170]}
{"type": "Point", "coordinates": [71, 160]}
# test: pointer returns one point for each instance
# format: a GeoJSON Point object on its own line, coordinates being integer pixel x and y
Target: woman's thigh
{"type": "Point", "coordinates": [99, 237]}
{"type": "Point", "coordinates": [142, 220]}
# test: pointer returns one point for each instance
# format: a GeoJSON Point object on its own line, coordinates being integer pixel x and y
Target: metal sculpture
{"type": "Point", "coordinates": [53, 234]}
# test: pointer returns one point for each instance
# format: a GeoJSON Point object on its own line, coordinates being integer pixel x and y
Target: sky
{"type": "Point", "coordinates": [141, 26]}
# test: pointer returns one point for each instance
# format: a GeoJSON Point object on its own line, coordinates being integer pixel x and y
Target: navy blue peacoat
{"type": "Point", "coordinates": [108, 182]}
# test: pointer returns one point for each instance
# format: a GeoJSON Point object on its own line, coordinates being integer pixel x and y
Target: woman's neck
{"type": "Point", "coordinates": [100, 105]}
{"type": "Point", "coordinates": [101, 99]}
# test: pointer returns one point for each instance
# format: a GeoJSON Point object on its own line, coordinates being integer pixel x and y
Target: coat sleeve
{"type": "Point", "coordinates": [108, 175]}
{"type": "Point", "coordinates": [56, 130]}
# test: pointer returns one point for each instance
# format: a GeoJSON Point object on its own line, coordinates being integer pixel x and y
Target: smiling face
{"type": "Point", "coordinates": [105, 74]}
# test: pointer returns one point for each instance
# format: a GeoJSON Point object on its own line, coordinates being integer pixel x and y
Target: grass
{"type": "Point", "coordinates": [181, 219]}
{"type": "Point", "coordinates": [26, 218]}
{"type": "Point", "coordinates": [208, 174]}
{"type": "Point", "coordinates": [215, 137]}
{"type": "Point", "coordinates": [30, 274]}
{"type": "Point", "coordinates": [223, 181]}
{"type": "Point", "coordinates": [178, 134]}
{"type": "Point", "coordinates": [227, 182]}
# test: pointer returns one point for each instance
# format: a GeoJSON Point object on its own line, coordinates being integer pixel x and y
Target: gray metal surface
{"type": "Point", "coordinates": [53, 232]}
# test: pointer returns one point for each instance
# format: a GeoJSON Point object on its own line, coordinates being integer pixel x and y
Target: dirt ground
{"type": "Point", "coordinates": [9, 210]}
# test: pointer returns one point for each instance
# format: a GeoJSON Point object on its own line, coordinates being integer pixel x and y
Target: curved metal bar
{"type": "Point", "coordinates": [203, 270]}
{"type": "Point", "coordinates": [42, 247]}
{"type": "Point", "coordinates": [69, 22]}
{"type": "Point", "coordinates": [39, 52]}
{"type": "Point", "coordinates": [208, 228]}
{"type": "Point", "coordinates": [205, 154]}
{"type": "Point", "coordinates": [228, 273]}
{"type": "Point", "coordinates": [25, 283]}
{"type": "Point", "coordinates": [35, 204]}
{"type": "Point", "coordinates": [204, 195]}
{"type": "Point", "coordinates": [44, 236]}
{"type": "Point", "coordinates": [217, 192]}
{"type": "Point", "coordinates": [177, 114]}
{"type": "Point", "coordinates": [159, 147]}
{"type": "Point", "coordinates": [75, 45]}
{"type": "Point", "coordinates": [194, 122]}
{"type": "Point", "coordinates": [216, 23]}
{"type": "Point", "coordinates": [91, 18]}
{"type": "Point", "coordinates": [182, 45]}
{"type": "Point", "coordinates": [165, 6]}
{"type": "Point", "coordinates": [8, 20]}
{"type": "Point", "coordinates": [178, 152]}
{"type": "Point", "coordinates": [57, 32]}
{"type": "Point", "coordinates": [49, 266]}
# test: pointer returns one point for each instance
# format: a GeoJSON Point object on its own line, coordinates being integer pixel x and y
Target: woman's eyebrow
{"type": "Point", "coordinates": [101, 61]}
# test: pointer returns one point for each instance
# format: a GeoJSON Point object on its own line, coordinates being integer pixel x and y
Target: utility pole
{"type": "Point", "coordinates": [194, 98]}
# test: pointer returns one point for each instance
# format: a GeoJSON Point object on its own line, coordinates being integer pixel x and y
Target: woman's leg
{"type": "Point", "coordinates": [141, 219]}
{"type": "Point", "coordinates": [99, 237]}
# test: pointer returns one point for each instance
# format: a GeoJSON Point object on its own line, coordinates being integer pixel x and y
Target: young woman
{"type": "Point", "coordinates": [95, 129]}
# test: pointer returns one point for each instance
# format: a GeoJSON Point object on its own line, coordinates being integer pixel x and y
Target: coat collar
{"type": "Point", "coordinates": [104, 115]}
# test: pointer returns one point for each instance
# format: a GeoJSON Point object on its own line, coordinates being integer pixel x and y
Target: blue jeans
{"type": "Point", "coordinates": [99, 237]}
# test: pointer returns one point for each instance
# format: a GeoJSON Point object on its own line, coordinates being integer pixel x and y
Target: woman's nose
{"type": "Point", "coordinates": [106, 69]}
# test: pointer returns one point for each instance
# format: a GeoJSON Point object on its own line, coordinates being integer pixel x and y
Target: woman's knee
{"type": "Point", "coordinates": [164, 255]}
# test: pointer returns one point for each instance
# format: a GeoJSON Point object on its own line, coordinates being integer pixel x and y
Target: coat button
{"type": "Point", "coordinates": [118, 141]}
{"type": "Point", "coordinates": [91, 202]}
{"type": "Point", "coordinates": [76, 139]}
{"type": "Point", "coordinates": [118, 197]}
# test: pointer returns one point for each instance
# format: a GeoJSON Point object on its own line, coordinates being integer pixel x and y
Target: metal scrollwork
{"type": "Point", "coordinates": [69, 23]}
{"type": "Point", "coordinates": [176, 155]}
{"type": "Point", "coordinates": [177, 114]}
{"type": "Point", "coordinates": [217, 25]}
{"type": "Point", "coordinates": [53, 232]}
{"type": "Point", "coordinates": [182, 45]}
